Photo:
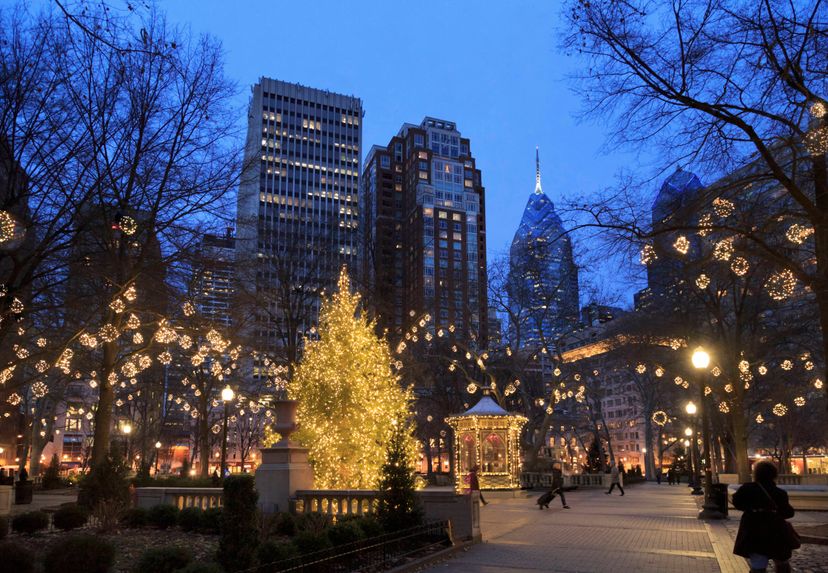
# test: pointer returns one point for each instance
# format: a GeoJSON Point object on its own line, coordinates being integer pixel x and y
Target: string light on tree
{"type": "Point", "coordinates": [819, 109]}
{"type": "Point", "coordinates": [723, 250]}
{"type": "Point", "coordinates": [781, 285]}
{"type": "Point", "coordinates": [723, 207]}
{"type": "Point", "coordinates": [647, 255]}
{"type": "Point", "coordinates": [739, 266]}
{"type": "Point", "coordinates": [702, 281]}
{"type": "Point", "coordinates": [681, 244]}
{"type": "Point", "coordinates": [8, 226]}
{"type": "Point", "coordinates": [798, 234]}
{"type": "Point", "coordinates": [780, 410]}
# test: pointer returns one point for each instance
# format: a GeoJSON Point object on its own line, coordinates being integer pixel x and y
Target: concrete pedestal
{"type": "Point", "coordinates": [283, 471]}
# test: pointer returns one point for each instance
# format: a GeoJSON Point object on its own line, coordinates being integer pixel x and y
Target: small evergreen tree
{"type": "Point", "coordinates": [595, 464]}
{"type": "Point", "coordinates": [398, 507]}
{"type": "Point", "coordinates": [51, 477]}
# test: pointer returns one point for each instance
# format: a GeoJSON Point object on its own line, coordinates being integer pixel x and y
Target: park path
{"type": "Point", "coordinates": [651, 528]}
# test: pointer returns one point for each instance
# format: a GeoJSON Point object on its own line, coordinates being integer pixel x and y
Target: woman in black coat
{"type": "Point", "coordinates": [762, 535]}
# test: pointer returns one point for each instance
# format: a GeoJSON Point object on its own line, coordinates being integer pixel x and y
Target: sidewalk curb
{"type": "Point", "coordinates": [813, 539]}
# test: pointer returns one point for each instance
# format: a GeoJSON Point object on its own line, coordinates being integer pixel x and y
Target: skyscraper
{"type": "Point", "coordinates": [297, 215]}
{"type": "Point", "coordinates": [214, 277]}
{"type": "Point", "coordinates": [425, 238]}
{"type": "Point", "coordinates": [677, 201]}
{"type": "Point", "coordinates": [543, 279]}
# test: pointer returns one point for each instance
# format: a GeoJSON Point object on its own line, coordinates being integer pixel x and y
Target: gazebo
{"type": "Point", "coordinates": [487, 436]}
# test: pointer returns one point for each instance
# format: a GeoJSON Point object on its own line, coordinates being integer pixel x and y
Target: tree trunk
{"type": "Point", "coordinates": [740, 446]}
{"type": "Point", "coordinates": [103, 415]}
{"type": "Point", "coordinates": [649, 455]}
{"type": "Point", "coordinates": [203, 437]}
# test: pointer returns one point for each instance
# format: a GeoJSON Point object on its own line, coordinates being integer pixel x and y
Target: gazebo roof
{"type": "Point", "coordinates": [484, 407]}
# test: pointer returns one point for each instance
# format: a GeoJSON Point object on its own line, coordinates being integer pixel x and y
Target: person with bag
{"type": "Point", "coordinates": [764, 534]}
{"type": "Point", "coordinates": [474, 484]}
{"type": "Point", "coordinates": [557, 489]}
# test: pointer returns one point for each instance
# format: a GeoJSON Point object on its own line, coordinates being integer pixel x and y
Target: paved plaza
{"type": "Point", "coordinates": [651, 528]}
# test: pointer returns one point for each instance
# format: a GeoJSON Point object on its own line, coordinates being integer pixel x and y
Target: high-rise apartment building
{"type": "Point", "coordinates": [543, 278]}
{"type": "Point", "coordinates": [425, 237]}
{"type": "Point", "coordinates": [297, 216]}
{"type": "Point", "coordinates": [214, 278]}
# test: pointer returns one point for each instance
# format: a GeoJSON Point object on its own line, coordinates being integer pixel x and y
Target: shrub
{"type": "Point", "coordinates": [51, 477]}
{"type": "Point", "coordinates": [85, 553]}
{"type": "Point", "coordinates": [397, 506]}
{"type": "Point", "coordinates": [313, 522]}
{"type": "Point", "coordinates": [70, 516]}
{"type": "Point", "coordinates": [163, 516]}
{"type": "Point", "coordinates": [211, 520]}
{"type": "Point", "coordinates": [282, 524]}
{"type": "Point", "coordinates": [370, 526]}
{"type": "Point", "coordinates": [106, 483]}
{"type": "Point", "coordinates": [30, 522]}
{"type": "Point", "coordinates": [164, 559]}
{"type": "Point", "coordinates": [190, 518]}
{"type": "Point", "coordinates": [345, 532]}
{"type": "Point", "coordinates": [239, 524]}
{"type": "Point", "coordinates": [311, 542]}
{"type": "Point", "coordinates": [16, 558]}
{"type": "Point", "coordinates": [134, 517]}
{"type": "Point", "coordinates": [271, 552]}
{"type": "Point", "coordinates": [201, 568]}
{"type": "Point", "coordinates": [4, 527]}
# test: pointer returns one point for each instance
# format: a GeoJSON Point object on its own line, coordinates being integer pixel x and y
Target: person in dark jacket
{"type": "Point", "coordinates": [762, 535]}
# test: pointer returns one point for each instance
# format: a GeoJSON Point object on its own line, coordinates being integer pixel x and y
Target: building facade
{"type": "Point", "coordinates": [424, 246]}
{"type": "Point", "coordinates": [214, 278]}
{"type": "Point", "coordinates": [298, 204]}
{"type": "Point", "coordinates": [543, 278]}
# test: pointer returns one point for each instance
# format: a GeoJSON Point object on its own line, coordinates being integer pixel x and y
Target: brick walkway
{"type": "Point", "coordinates": [652, 528]}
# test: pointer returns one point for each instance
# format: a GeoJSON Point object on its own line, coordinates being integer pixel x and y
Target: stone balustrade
{"type": "Point", "coordinates": [181, 497]}
{"type": "Point", "coordinates": [784, 479]}
{"type": "Point", "coordinates": [462, 511]}
{"type": "Point", "coordinates": [336, 501]}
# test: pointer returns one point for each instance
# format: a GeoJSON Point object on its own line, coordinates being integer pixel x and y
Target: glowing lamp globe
{"type": "Point", "coordinates": [227, 394]}
{"type": "Point", "coordinates": [127, 429]}
{"type": "Point", "coordinates": [701, 359]}
{"type": "Point", "coordinates": [690, 408]}
{"type": "Point", "coordinates": [157, 445]}
{"type": "Point", "coordinates": [688, 432]}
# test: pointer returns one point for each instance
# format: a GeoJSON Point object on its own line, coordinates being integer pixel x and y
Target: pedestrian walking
{"type": "Point", "coordinates": [615, 479]}
{"type": "Point", "coordinates": [474, 484]}
{"type": "Point", "coordinates": [658, 477]}
{"type": "Point", "coordinates": [556, 489]}
{"type": "Point", "coordinates": [764, 534]}
{"type": "Point", "coordinates": [671, 477]}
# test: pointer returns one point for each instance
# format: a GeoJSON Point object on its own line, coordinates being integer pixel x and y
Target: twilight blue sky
{"type": "Point", "coordinates": [493, 67]}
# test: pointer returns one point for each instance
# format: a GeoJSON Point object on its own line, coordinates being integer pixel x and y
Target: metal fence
{"type": "Point", "coordinates": [375, 554]}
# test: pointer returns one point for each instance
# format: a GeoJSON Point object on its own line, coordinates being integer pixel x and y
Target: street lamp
{"type": "Point", "coordinates": [157, 451]}
{"type": "Point", "coordinates": [693, 454]}
{"type": "Point", "coordinates": [701, 361]}
{"type": "Point", "coordinates": [126, 429]}
{"type": "Point", "coordinates": [227, 396]}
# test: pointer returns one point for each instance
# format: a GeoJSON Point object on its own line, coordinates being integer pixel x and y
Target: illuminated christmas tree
{"type": "Point", "coordinates": [349, 397]}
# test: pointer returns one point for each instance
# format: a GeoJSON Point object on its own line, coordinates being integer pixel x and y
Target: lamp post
{"type": "Point", "coordinates": [227, 396]}
{"type": "Point", "coordinates": [157, 451]}
{"type": "Point", "coordinates": [701, 361]}
{"type": "Point", "coordinates": [693, 453]}
{"type": "Point", "coordinates": [126, 429]}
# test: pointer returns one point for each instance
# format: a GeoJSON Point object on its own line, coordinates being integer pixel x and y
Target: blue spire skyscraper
{"type": "Point", "coordinates": [543, 278]}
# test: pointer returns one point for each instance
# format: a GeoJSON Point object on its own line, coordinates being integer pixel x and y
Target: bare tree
{"type": "Point", "coordinates": [736, 88]}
